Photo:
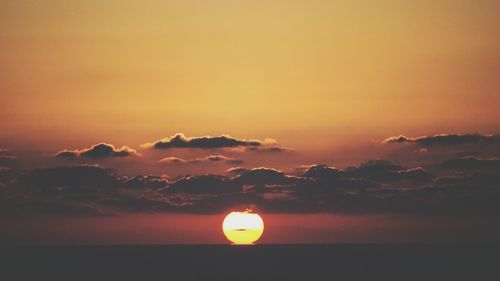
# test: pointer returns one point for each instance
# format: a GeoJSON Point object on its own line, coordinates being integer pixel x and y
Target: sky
{"type": "Point", "coordinates": [137, 112]}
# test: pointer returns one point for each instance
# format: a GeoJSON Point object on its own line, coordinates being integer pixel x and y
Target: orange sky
{"type": "Point", "coordinates": [279, 229]}
{"type": "Point", "coordinates": [318, 81]}
{"type": "Point", "coordinates": [128, 72]}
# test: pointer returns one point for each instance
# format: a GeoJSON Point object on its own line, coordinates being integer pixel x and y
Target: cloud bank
{"type": "Point", "coordinates": [372, 187]}
{"type": "Point", "coordinates": [464, 183]}
{"type": "Point", "coordinates": [215, 159]}
{"type": "Point", "coordinates": [179, 140]}
{"type": "Point", "coordinates": [100, 150]}
{"type": "Point", "coordinates": [445, 139]}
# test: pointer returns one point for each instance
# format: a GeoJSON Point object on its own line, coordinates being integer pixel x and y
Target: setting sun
{"type": "Point", "coordinates": [243, 228]}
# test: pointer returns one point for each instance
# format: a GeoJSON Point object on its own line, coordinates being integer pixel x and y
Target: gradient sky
{"type": "Point", "coordinates": [130, 71]}
{"type": "Point", "coordinates": [313, 82]}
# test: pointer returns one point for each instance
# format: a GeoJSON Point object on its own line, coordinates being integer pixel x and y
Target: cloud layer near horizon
{"type": "Point", "coordinates": [446, 139]}
{"type": "Point", "coordinates": [464, 179]}
{"type": "Point", "coordinates": [372, 187]}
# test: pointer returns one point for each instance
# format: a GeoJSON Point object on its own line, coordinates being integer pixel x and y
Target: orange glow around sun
{"type": "Point", "coordinates": [243, 228]}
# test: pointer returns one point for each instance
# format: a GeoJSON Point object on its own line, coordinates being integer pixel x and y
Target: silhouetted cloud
{"type": "Point", "coordinates": [173, 160]}
{"type": "Point", "coordinates": [263, 176]}
{"type": "Point", "coordinates": [472, 163]}
{"type": "Point", "coordinates": [376, 186]}
{"type": "Point", "coordinates": [368, 174]}
{"type": "Point", "coordinates": [224, 202]}
{"type": "Point", "coordinates": [220, 159]}
{"type": "Point", "coordinates": [464, 195]}
{"type": "Point", "coordinates": [205, 142]}
{"type": "Point", "coordinates": [73, 177]}
{"type": "Point", "coordinates": [150, 181]}
{"type": "Point", "coordinates": [67, 154]}
{"type": "Point", "coordinates": [446, 139]}
{"type": "Point", "coordinates": [373, 167]}
{"type": "Point", "coordinates": [100, 150]}
{"type": "Point", "coordinates": [269, 149]}
{"type": "Point", "coordinates": [76, 190]}
{"type": "Point", "coordinates": [208, 159]}
{"type": "Point", "coordinates": [4, 169]}
{"type": "Point", "coordinates": [321, 171]}
{"type": "Point", "coordinates": [330, 179]}
{"type": "Point", "coordinates": [203, 184]}
{"type": "Point", "coordinates": [5, 174]}
{"type": "Point", "coordinates": [7, 159]}
{"type": "Point", "coordinates": [385, 171]}
{"type": "Point", "coordinates": [236, 170]}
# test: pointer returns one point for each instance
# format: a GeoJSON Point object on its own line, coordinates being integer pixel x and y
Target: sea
{"type": "Point", "coordinates": [252, 262]}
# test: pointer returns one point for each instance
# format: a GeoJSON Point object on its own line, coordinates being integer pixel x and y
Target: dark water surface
{"type": "Point", "coordinates": [259, 262]}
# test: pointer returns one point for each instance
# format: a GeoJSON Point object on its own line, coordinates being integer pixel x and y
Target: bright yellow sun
{"type": "Point", "coordinates": [243, 228]}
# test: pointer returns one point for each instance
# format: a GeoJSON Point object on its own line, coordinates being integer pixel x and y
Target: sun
{"type": "Point", "coordinates": [243, 228]}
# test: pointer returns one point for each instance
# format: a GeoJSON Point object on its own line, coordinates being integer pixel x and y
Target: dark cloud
{"type": "Point", "coordinates": [221, 159]}
{"type": "Point", "coordinates": [383, 171]}
{"type": "Point", "coordinates": [446, 139]}
{"type": "Point", "coordinates": [373, 167]}
{"type": "Point", "coordinates": [146, 181]}
{"type": "Point", "coordinates": [236, 170]}
{"type": "Point", "coordinates": [67, 154]}
{"type": "Point", "coordinates": [173, 160]}
{"type": "Point", "coordinates": [100, 150]}
{"type": "Point", "coordinates": [270, 149]}
{"type": "Point", "coordinates": [329, 179]}
{"type": "Point", "coordinates": [208, 159]}
{"type": "Point", "coordinates": [472, 163]}
{"type": "Point", "coordinates": [202, 185]}
{"type": "Point", "coordinates": [448, 183]}
{"type": "Point", "coordinates": [206, 142]}
{"type": "Point", "coordinates": [77, 190]}
{"type": "Point", "coordinates": [7, 159]}
{"type": "Point", "coordinates": [375, 186]}
{"type": "Point", "coordinates": [263, 176]}
{"type": "Point", "coordinates": [4, 169]}
{"type": "Point", "coordinates": [418, 175]}
{"type": "Point", "coordinates": [73, 177]}
{"type": "Point", "coordinates": [225, 202]}
{"type": "Point", "coordinates": [321, 171]}
{"type": "Point", "coordinates": [6, 174]}
{"type": "Point", "coordinates": [459, 195]}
